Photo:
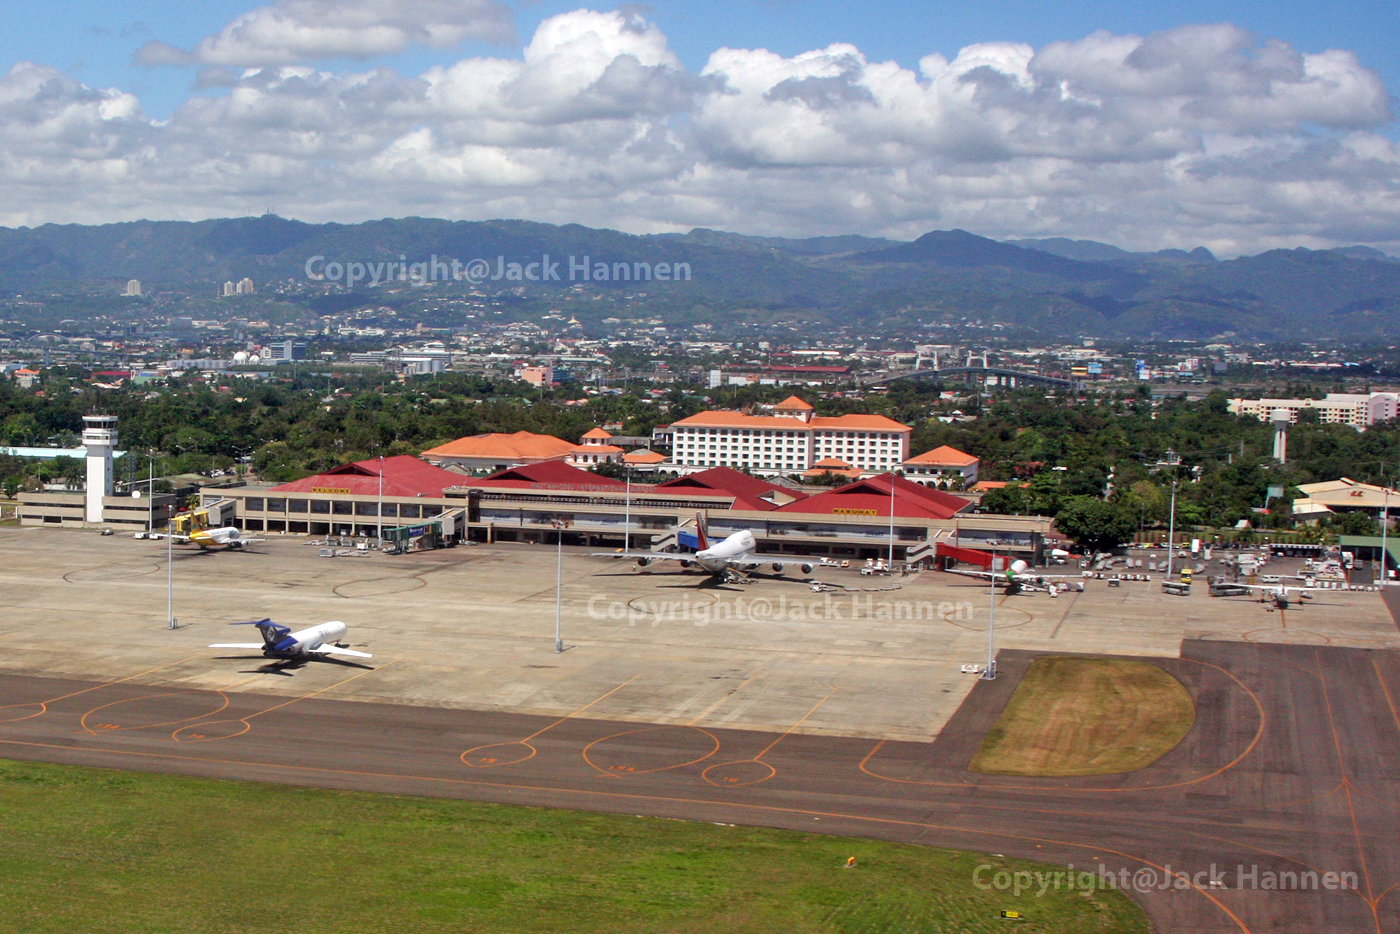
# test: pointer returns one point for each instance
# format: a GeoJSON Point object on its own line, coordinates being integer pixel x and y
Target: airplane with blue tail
{"type": "Point", "coordinates": [281, 642]}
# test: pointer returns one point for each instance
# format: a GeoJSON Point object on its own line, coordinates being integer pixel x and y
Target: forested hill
{"type": "Point", "coordinates": [1056, 286]}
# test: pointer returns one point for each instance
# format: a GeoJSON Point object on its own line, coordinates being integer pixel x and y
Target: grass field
{"type": "Point", "coordinates": [1087, 716]}
{"type": "Point", "coordinates": [85, 850]}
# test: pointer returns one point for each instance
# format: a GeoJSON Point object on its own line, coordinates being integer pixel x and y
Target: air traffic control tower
{"type": "Point", "coordinates": [100, 438]}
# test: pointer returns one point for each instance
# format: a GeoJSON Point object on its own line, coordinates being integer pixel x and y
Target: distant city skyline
{"type": "Point", "coordinates": [1237, 126]}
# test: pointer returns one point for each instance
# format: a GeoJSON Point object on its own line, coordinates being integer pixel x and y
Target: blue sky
{"type": "Point", "coordinates": [1235, 125]}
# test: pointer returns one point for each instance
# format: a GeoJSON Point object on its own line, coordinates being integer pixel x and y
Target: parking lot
{"type": "Point", "coordinates": [474, 628]}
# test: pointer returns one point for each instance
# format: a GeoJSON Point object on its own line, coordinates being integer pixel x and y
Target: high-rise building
{"type": "Point", "coordinates": [228, 289]}
{"type": "Point", "coordinates": [245, 287]}
{"type": "Point", "coordinates": [133, 287]}
{"type": "Point", "coordinates": [790, 439]}
{"type": "Point", "coordinates": [284, 351]}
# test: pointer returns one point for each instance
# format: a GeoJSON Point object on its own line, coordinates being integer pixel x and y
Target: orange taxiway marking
{"type": "Point", "coordinates": [491, 761]}
{"type": "Point", "coordinates": [205, 737]}
{"type": "Point", "coordinates": [732, 781]}
{"type": "Point", "coordinates": [43, 705]}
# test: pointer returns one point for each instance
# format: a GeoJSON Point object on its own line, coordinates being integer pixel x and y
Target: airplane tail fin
{"type": "Point", "coordinates": [271, 632]}
{"type": "Point", "coordinates": [700, 535]}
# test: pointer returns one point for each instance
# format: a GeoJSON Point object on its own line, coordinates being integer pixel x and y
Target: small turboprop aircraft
{"type": "Point", "coordinates": [227, 536]}
{"type": "Point", "coordinates": [1018, 577]}
{"type": "Point", "coordinates": [726, 560]}
{"type": "Point", "coordinates": [281, 643]}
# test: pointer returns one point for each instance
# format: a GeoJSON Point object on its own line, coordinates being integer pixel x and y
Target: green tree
{"type": "Point", "coordinates": [1356, 523]}
{"type": "Point", "coordinates": [1007, 501]}
{"type": "Point", "coordinates": [1094, 523]}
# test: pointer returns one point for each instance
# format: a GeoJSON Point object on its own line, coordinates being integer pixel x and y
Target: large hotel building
{"type": "Point", "coordinates": [791, 439]}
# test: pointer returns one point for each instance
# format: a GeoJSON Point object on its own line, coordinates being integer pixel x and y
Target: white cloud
{"type": "Point", "coordinates": [1199, 135]}
{"type": "Point", "coordinates": [307, 30]}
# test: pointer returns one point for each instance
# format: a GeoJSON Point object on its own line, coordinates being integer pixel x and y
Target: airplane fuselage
{"type": "Point", "coordinates": [718, 557]}
{"type": "Point", "coordinates": [304, 640]}
{"type": "Point", "coordinates": [228, 536]}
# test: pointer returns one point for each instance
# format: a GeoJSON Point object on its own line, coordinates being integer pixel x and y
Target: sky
{"type": "Point", "coordinates": [1240, 126]}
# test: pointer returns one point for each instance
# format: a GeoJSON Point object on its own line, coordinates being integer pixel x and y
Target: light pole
{"type": "Point", "coordinates": [379, 510]}
{"type": "Point", "coordinates": [1385, 530]}
{"type": "Point", "coordinates": [558, 586]}
{"type": "Point", "coordinates": [1171, 534]}
{"type": "Point", "coordinates": [170, 621]}
{"type": "Point", "coordinates": [627, 510]}
{"type": "Point", "coordinates": [990, 672]}
{"type": "Point", "coordinates": [890, 567]}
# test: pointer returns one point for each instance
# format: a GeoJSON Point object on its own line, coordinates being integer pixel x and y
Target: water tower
{"type": "Point", "coordinates": [1281, 418]}
{"type": "Point", "coordinates": [99, 437]}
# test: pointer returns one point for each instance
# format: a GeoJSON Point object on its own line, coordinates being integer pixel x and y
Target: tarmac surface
{"type": "Point", "coordinates": [473, 628]}
{"type": "Point", "coordinates": [1289, 774]}
{"type": "Point", "coordinates": [1289, 770]}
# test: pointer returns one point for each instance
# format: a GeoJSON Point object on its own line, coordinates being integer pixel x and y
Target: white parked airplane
{"type": "Point", "coordinates": [726, 560]}
{"type": "Point", "coordinates": [1278, 593]}
{"type": "Point", "coordinates": [280, 642]}
{"type": "Point", "coordinates": [1016, 578]}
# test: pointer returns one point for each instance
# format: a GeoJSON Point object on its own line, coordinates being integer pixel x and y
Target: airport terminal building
{"type": "Point", "coordinates": [535, 502]}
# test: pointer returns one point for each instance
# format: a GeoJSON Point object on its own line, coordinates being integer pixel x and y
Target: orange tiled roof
{"type": "Point", "coordinates": [792, 402]}
{"type": "Point", "coordinates": [598, 433]}
{"type": "Point", "coordinates": [520, 444]}
{"type": "Point", "coordinates": [944, 455]}
{"type": "Point", "coordinates": [644, 457]}
{"type": "Point", "coordinates": [834, 463]}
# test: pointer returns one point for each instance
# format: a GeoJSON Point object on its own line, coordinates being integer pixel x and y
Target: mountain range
{"type": "Point", "coordinates": [1057, 286]}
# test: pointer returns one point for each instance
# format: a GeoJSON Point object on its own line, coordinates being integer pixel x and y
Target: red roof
{"type": "Point", "coordinates": [871, 497]}
{"type": "Point", "coordinates": [748, 492]}
{"type": "Point", "coordinates": [404, 475]}
{"type": "Point", "coordinates": [548, 475]}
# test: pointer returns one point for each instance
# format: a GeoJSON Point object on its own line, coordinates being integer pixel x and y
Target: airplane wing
{"type": "Point", "coordinates": [182, 539]}
{"type": "Point", "coordinates": [999, 575]}
{"type": "Point", "coordinates": [336, 650]}
{"type": "Point", "coordinates": [784, 559]}
{"type": "Point", "coordinates": [237, 645]}
{"type": "Point", "coordinates": [650, 555]}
